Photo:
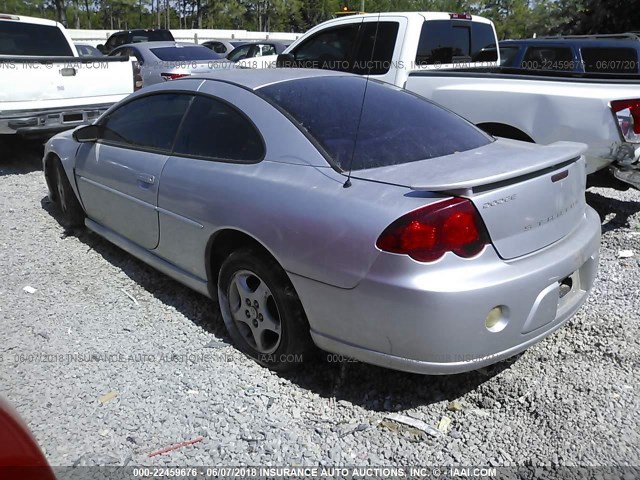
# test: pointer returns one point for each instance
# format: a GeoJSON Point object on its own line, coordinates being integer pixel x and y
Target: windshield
{"type": "Point", "coordinates": [397, 126]}
{"type": "Point", "coordinates": [197, 52]}
{"type": "Point", "coordinates": [18, 38]}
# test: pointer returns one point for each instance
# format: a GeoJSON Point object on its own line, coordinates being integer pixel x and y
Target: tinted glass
{"type": "Point", "coordinates": [508, 56]}
{"type": "Point", "coordinates": [446, 41]}
{"type": "Point", "coordinates": [214, 129]}
{"type": "Point", "coordinates": [329, 49]}
{"type": "Point", "coordinates": [151, 36]}
{"type": "Point", "coordinates": [383, 36]}
{"type": "Point", "coordinates": [397, 126]}
{"type": "Point", "coordinates": [173, 54]}
{"type": "Point", "coordinates": [18, 38]}
{"type": "Point", "coordinates": [548, 58]}
{"type": "Point", "coordinates": [610, 60]}
{"type": "Point", "coordinates": [216, 46]}
{"type": "Point", "coordinates": [240, 52]}
{"type": "Point", "coordinates": [149, 122]}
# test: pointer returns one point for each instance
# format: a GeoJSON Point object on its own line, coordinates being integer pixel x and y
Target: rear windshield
{"type": "Point", "coordinates": [610, 60]}
{"type": "Point", "coordinates": [18, 38]}
{"type": "Point", "coordinates": [172, 54]}
{"type": "Point", "coordinates": [152, 36]}
{"type": "Point", "coordinates": [397, 126]}
{"type": "Point", "coordinates": [449, 41]}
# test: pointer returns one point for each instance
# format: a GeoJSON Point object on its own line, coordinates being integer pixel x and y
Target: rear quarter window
{"type": "Point", "coordinates": [449, 41]}
{"type": "Point", "coordinates": [548, 58]}
{"type": "Point", "coordinates": [397, 126]}
{"type": "Point", "coordinates": [610, 60]}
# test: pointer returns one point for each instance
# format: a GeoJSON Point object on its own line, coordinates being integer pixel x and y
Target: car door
{"type": "Point", "coordinates": [118, 175]}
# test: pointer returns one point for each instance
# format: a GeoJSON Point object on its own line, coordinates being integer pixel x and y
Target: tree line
{"type": "Point", "coordinates": [513, 18]}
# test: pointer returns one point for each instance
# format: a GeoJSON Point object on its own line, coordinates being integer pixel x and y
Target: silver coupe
{"type": "Point", "coordinates": [324, 209]}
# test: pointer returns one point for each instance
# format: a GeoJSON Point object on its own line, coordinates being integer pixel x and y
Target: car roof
{"type": "Point", "coordinates": [574, 42]}
{"type": "Point", "coordinates": [254, 79]}
{"type": "Point", "coordinates": [261, 42]}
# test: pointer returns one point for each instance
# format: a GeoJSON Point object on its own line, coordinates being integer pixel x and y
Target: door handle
{"type": "Point", "coordinates": [145, 180]}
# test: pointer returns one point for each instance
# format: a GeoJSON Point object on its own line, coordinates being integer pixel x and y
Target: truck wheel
{"type": "Point", "coordinates": [72, 212]}
{"type": "Point", "coordinates": [262, 312]}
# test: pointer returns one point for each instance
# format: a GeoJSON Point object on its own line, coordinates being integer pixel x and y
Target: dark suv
{"type": "Point", "coordinates": [589, 55]}
{"type": "Point", "coordinates": [135, 36]}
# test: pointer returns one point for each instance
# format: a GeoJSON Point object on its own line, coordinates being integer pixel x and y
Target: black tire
{"type": "Point", "coordinates": [65, 198]}
{"type": "Point", "coordinates": [247, 276]}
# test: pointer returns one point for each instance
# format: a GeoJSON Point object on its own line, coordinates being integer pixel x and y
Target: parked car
{"type": "Point", "coordinates": [135, 36]}
{"type": "Point", "coordinates": [591, 55]}
{"type": "Point", "coordinates": [256, 49]}
{"type": "Point", "coordinates": [162, 61]}
{"type": "Point", "coordinates": [85, 50]}
{"type": "Point", "coordinates": [381, 226]}
{"type": "Point", "coordinates": [45, 87]}
{"type": "Point", "coordinates": [222, 46]}
{"type": "Point", "coordinates": [20, 455]}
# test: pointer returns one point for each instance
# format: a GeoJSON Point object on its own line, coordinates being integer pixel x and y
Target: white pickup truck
{"type": "Point", "coordinates": [445, 57]}
{"type": "Point", "coordinates": [45, 87]}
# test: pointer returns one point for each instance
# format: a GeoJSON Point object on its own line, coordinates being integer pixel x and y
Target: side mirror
{"type": "Point", "coordinates": [101, 48]}
{"type": "Point", "coordinates": [286, 60]}
{"type": "Point", "coordinates": [88, 133]}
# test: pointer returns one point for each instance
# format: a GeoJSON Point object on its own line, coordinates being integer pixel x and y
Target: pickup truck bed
{"type": "Point", "coordinates": [542, 109]}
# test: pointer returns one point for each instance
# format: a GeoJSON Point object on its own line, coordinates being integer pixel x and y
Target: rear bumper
{"type": "Point", "coordinates": [50, 120]}
{"type": "Point", "coordinates": [431, 318]}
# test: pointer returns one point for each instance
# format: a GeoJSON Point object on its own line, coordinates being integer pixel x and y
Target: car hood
{"type": "Point", "coordinates": [498, 161]}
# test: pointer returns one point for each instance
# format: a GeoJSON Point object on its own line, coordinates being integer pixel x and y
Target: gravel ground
{"type": "Point", "coordinates": [163, 370]}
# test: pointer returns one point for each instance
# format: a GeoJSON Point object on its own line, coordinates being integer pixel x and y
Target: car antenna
{"type": "Point", "coordinates": [347, 184]}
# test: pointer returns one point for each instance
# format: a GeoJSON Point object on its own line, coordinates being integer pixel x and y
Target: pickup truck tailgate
{"type": "Point", "coordinates": [29, 79]}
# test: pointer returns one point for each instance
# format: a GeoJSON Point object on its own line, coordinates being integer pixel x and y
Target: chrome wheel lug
{"type": "Point", "coordinates": [256, 304]}
{"type": "Point", "coordinates": [248, 302]}
{"type": "Point", "coordinates": [255, 323]}
{"type": "Point", "coordinates": [260, 317]}
{"type": "Point", "coordinates": [246, 312]}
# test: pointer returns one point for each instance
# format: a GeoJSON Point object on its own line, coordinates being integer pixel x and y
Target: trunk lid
{"type": "Point", "coordinates": [529, 196]}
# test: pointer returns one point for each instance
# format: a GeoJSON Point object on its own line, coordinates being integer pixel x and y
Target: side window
{"type": "Point", "coordinates": [120, 40]}
{"type": "Point", "coordinates": [146, 122]}
{"type": "Point", "coordinates": [219, 47]}
{"type": "Point", "coordinates": [239, 53]}
{"type": "Point", "coordinates": [610, 60]}
{"type": "Point", "coordinates": [214, 129]}
{"type": "Point", "coordinates": [548, 58]}
{"type": "Point", "coordinates": [383, 36]}
{"type": "Point", "coordinates": [442, 41]}
{"type": "Point", "coordinates": [267, 50]}
{"type": "Point", "coordinates": [329, 49]}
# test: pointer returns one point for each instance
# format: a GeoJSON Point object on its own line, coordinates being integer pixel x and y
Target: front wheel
{"type": "Point", "coordinates": [262, 312]}
{"type": "Point", "coordinates": [72, 212]}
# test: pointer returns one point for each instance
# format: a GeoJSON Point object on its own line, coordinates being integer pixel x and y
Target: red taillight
{"type": "Point", "coordinates": [628, 115]}
{"type": "Point", "coordinates": [460, 16]}
{"type": "Point", "coordinates": [137, 76]}
{"type": "Point", "coordinates": [173, 76]}
{"type": "Point", "coordinates": [428, 233]}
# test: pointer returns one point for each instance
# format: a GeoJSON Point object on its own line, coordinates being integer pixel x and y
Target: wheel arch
{"type": "Point", "coordinates": [506, 131]}
{"type": "Point", "coordinates": [221, 244]}
{"type": "Point", "coordinates": [47, 168]}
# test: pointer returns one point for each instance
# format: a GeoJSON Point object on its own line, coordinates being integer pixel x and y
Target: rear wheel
{"type": "Point", "coordinates": [72, 212]}
{"type": "Point", "coordinates": [262, 312]}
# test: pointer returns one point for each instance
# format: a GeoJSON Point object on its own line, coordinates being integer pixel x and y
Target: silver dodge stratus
{"type": "Point", "coordinates": [321, 208]}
